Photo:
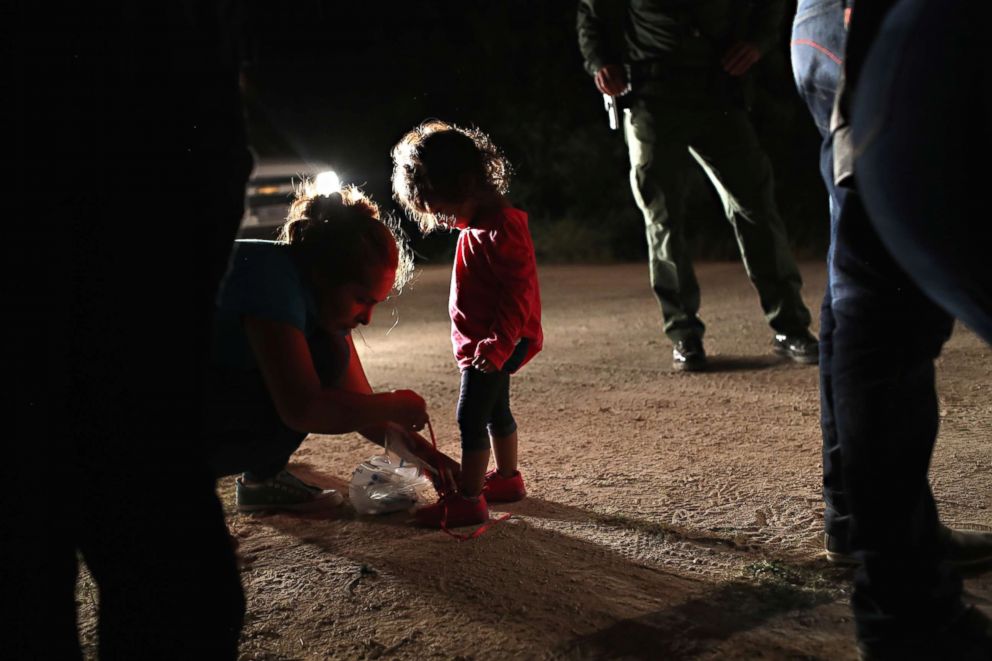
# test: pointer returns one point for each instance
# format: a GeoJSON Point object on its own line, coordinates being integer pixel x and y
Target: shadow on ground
{"type": "Point", "coordinates": [694, 626]}
{"type": "Point", "coordinates": [722, 363]}
{"type": "Point", "coordinates": [572, 596]}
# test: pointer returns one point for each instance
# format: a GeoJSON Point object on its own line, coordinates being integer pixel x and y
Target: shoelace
{"type": "Point", "coordinates": [443, 493]}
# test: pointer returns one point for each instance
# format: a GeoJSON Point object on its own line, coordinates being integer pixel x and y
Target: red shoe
{"type": "Point", "coordinates": [499, 489]}
{"type": "Point", "coordinates": [455, 510]}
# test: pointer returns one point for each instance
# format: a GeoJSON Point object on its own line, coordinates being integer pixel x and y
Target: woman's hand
{"type": "Point", "coordinates": [407, 409]}
{"type": "Point", "coordinates": [416, 448]}
{"type": "Point", "coordinates": [445, 470]}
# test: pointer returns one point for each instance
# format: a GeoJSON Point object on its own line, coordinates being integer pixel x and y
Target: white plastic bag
{"type": "Point", "coordinates": [381, 484]}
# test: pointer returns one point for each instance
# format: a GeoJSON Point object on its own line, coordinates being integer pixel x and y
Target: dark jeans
{"type": "Point", "coordinates": [817, 49]}
{"type": "Point", "coordinates": [886, 337]}
{"type": "Point", "coordinates": [244, 431]}
{"type": "Point", "coordinates": [918, 108]}
{"type": "Point", "coordinates": [484, 403]}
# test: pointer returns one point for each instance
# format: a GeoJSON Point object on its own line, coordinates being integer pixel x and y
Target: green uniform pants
{"type": "Point", "coordinates": [665, 140]}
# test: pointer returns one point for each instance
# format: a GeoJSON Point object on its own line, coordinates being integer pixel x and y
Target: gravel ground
{"type": "Point", "coordinates": [670, 515]}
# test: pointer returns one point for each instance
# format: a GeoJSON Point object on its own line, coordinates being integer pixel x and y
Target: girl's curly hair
{"type": "Point", "coordinates": [343, 239]}
{"type": "Point", "coordinates": [446, 162]}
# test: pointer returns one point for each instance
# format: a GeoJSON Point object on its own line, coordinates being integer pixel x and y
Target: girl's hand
{"type": "Point", "coordinates": [408, 409]}
{"type": "Point", "coordinates": [482, 364]}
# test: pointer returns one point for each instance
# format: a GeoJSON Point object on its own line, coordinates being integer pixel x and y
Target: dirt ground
{"type": "Point", "coordinates": [669, 516]}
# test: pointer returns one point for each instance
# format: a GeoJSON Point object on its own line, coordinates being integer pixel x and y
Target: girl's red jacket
{"type": "Point", "coordinates": [495, 300]}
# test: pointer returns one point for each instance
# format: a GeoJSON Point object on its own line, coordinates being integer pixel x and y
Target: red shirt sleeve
{"type": "Point", "coordinates": [513, 262]}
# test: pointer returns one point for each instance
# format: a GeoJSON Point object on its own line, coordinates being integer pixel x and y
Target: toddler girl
{"type": "Point", "coordinates": [450, 177]}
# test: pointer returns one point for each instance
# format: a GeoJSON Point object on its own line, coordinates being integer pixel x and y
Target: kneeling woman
{"type": "Point", "coordinates": [284, 363]}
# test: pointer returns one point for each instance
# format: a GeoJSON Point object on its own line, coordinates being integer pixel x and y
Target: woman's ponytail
{"type": "Point", "coordinates": [341, 236]}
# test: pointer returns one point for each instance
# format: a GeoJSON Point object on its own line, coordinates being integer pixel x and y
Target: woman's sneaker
{"type": "Point", "coordinates": [284, 491]}
{"type": "Point", "coordinates": [499, 489]}
{"type": "Point", "coordinates": [455, 510]}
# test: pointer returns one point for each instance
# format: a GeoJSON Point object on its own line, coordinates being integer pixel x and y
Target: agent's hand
{"type": "Point", "coordinates": [408, 409]}
{"type": "Point", "coordinates": [740, 57]}
{"type": "Point", "coordinates": [612, 80]}
{"type": "Point", "coordinates": [482, 364]}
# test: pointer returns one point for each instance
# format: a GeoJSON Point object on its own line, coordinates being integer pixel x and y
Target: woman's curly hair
{"type": "Point", "coordinates": [443, 161]}
{"type": "Point", "coordinates": [343, 238]}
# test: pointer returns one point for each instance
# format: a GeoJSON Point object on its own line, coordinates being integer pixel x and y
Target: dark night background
{"type": "Point", "coordinates": [341, 82]}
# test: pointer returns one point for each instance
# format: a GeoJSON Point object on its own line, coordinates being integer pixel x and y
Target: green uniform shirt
{"type": "Point", "coordinates": [672, 33]}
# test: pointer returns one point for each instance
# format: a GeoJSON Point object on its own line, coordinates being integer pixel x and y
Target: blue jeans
{"type": "Point", "coordinates": [817, 48]}
{"type": "Point", "coordinates": [886, 336]}
{"type": "Point", "coordinates": [919, 109]}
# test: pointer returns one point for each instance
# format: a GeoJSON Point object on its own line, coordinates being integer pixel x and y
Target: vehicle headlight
{"type": "Point", "coordinates": [327, 182]}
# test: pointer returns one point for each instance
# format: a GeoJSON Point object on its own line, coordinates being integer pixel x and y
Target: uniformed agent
{"type": "Point", "coordinates": [680, 68]}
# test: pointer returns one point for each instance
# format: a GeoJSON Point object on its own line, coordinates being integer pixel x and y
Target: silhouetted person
{"type": "Point", "coordinates": [908, 256]}
{"type": "Point", "coordinates": [131, 164]}
{"type": "Point", "coordinates": [818, 37]}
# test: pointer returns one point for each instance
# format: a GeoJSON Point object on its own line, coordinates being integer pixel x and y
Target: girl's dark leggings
{"type": "Point", "coordinates": [484, 403]}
